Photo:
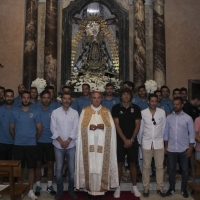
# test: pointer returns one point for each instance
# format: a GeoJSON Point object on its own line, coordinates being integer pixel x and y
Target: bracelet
{"type": "Point", "coordinates": [69, 141]}
{"type": "Point", "coordinates": [132, 140]}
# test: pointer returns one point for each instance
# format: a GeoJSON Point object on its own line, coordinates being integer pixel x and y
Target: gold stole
{"type": "Point", "coordinates": [106, 158]}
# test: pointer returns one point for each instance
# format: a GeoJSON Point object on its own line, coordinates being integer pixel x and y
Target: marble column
{"type": "Point", "coordinates": [159, 43]}
{"type": "Point", "coordinates": [149, 38]}
{"type": "Point", "coordinates": [50, 53]}
{"type": "Point", "coordinates": [41, 37]}
{"type": "Point", "coordinates": [139, 54]}
{"type": "Point", "coordinates": [30, 44]}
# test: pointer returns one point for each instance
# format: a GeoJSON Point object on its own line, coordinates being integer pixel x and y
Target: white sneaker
{"type": "Point", "coordinates": [136, 192]}
{"type": "Point", "coordinates": [117, 192]}
{"type": "Point", "coordinates": [31, 195]}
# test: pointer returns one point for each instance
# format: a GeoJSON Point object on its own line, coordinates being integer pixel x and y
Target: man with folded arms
{"type": "Point", "coordinates": [151, 139]}
{"type": "Point", "coordinates": [179, 139]}
{"type": "Point", "coordinates": [96, 167]}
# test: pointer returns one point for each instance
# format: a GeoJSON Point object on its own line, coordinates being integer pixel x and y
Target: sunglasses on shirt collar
{"type": "Point", "coordinates": [153, 120]}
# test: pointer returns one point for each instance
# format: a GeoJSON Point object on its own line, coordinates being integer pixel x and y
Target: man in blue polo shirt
{"type": "Point", "coordinates": [165, 107]}
{"type": "Point", "coordinates": [165, 97]}
{"type": "Point", "coordinates": [128, 84]}
{"type": "Point", "coordinates": [84, 100]}
{"type": "Point", "coordinates": [44, 145]}
{"type": "Point", "coordinates": [25, 127]}
{"type": "Point", "coordinates": [142, 93]}
{"type": "Point", "coordinates": [109, 100]}
{"type": "Point", "coordinates": [34, 98]}
{"type": "Point", "coordinates": [55, 104]}
{"type": "Point", "coordinates": [17, 102]}
{"type": "Point", "coordinates": [6, 140]}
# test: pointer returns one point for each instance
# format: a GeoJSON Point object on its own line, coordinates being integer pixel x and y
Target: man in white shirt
{"type": "Point", "coordinates": [151, 139]}
{"type": "Point", "coordinates": [64, 127]}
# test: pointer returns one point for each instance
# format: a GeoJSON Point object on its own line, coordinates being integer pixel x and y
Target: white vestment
{"type": "Point", "coordinates": [96, 160]}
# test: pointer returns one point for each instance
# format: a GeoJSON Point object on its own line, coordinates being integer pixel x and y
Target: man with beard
{"type": "Point", "coordinates": [165, 98]}
{"type": "Point", "coordinates": [160, 104]}
{"type": "Point", "coordinates": [6, 141]}
{"type": "Point", "coordinates": [25, 127]}
{"type": "Point", "coordinates": [109, 100]}
{"type": "Point", "coordinates": [64, 127]}
{"type": "Point", "coordinates": [67, 89]}
{"type": "Point", "coordinates": [179, 139]}
{"type": "Point", "coordinates": [151, 139]}
{"type": "Point", "coordinates": [84, 100]}
{"type": "Point", "coordinates": [54, 103]}
{"type": "Point", "coordinates": [34, 98]}
{"type": "Point", "coordinates": [96, 167]}
{"type": "Point", "coordinates": [44, 145]}
{"type": "Point", "coordinates": [142, 93]}
{"type": "Point", "coordinates": [176, 93]}
{"type": "Point", "coordinates": [184, 94]}
{"type": "Point", "coordinates": [17, 102]}
{"type": "Point", "coordinates": [2, 90]}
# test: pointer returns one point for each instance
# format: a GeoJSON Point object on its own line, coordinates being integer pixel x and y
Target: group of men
{"type": "Point", "coordinates": [94, 134]}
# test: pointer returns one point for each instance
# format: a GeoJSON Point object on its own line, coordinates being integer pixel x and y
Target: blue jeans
{"type": "Point", "coordinates": [70, 158]}
{"type": "Point", "coordinates": [184, 163]}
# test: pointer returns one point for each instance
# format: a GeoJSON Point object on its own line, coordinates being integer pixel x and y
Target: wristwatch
{"type": "Point", "coordinates": [132, 139]}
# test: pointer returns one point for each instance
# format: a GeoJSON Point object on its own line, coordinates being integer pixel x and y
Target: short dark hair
{"type": "Point", "coordinates": [129, 83]}
{"type": "Point", "coordinates": [68, 87]}
{"type": "Point", "coordinates": [21, 84]}
{"type": "Point", "coordinates": [176, 89]}
{"type": "Point", "coordinates": [2, 88]}
{"type": "Point", "coordinates": [126, 90]}
{"type": "Point", "coordinates": [8, 90]}
{"type": "Point", "coordinates": [25, 92]}
{"type": "Point", "coordinates": [49, 87]}
{"type": "Point", "coordinates": [44, 92]}
{"type": "Point", "coordinates": [151, 96]}
{"type": "Point", "coordinates": [109, 85]}
{"type": "Point", "coordinates": [163, 87]}
{"type": "Point", "coordinates": [33, 88]}
{"type": "Point", "coordinates": [66, 93]}
{"type": "Point", "coordinates": [86, 84]}
{"type": "Point", "coordinates": [179, 98]}
{"type": "Point", "coordinates": [157, 91]}
{"type": "Point", "coordinates": [141, 86]}
{"type": "Point", "coordinates": [196, 96]}
{"type": "Point", "coordinates": [183, 89]}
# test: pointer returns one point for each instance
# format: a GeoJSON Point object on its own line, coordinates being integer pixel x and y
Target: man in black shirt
{"type": "Point", "coordinates": [191, 107]}
{"type": "Point", "coordinates": [127, 117]}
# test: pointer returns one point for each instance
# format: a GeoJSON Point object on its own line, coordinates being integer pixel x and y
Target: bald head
{"type": "Point", "coordinates": [96, 99]}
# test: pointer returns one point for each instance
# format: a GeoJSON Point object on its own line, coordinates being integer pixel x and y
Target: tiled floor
{"type": "Point", "coordinates": [153, 196]}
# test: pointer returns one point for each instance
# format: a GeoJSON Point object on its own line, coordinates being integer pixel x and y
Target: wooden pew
{"type": "Point", "coordinates": [12, 169]}
{"type": "Point", "coordinates": [196, 185]}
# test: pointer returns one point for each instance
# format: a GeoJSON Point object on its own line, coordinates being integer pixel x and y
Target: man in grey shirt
{"type": "Point", "coordinates": [179, 139]}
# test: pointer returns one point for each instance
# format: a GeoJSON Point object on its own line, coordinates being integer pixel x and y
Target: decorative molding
{"type": "Point", "coordinates": [116, 9]}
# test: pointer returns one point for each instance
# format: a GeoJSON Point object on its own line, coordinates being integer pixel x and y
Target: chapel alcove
{"type": "Point", "coordinates": [116, 19]}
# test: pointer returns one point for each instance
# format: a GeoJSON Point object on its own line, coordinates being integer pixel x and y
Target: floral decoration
{"type": "Point", "coordinates": [40, 84]}
{"type": "Point", "coordinates": [96, 82]}
{"type": "Point", "coordinates": [151, 86]}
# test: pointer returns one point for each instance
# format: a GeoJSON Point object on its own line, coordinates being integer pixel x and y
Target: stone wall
{"type": "Point", "coordinates": [182, 30]}
{"type": "Point", "coordinates": [12, 23]}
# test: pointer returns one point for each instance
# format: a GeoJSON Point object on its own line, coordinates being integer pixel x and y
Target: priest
{"type": "Point", "coordinates": [96, 163]}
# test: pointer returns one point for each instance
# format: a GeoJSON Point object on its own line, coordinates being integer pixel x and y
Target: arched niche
{"type": "Point", "coordinates": [115, 9]}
